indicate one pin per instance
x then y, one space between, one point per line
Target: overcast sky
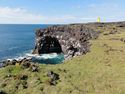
60 11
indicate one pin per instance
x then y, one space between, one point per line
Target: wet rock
8 62
54 77
13 62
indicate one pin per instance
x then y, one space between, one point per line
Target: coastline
69 54
77 26
101 69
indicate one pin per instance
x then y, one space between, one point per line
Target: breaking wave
52 58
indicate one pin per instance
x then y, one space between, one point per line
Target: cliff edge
72 40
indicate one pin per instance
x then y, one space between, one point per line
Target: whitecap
52 58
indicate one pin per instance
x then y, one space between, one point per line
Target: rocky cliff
102 70
72 40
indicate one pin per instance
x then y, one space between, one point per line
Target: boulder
34 68
54 77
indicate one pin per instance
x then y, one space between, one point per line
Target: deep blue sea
16 40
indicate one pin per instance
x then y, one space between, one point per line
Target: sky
60 11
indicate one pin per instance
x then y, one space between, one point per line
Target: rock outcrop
72 40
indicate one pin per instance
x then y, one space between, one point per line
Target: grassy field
100 71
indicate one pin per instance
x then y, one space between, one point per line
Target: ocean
16 39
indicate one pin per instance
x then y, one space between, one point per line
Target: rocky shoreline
30 77
24 63
71 40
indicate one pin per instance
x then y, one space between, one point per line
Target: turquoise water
17 40
52 58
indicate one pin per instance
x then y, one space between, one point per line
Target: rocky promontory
101 70
72 40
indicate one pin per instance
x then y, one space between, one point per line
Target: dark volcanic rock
54 77
8 62
25 63
72 40
34 68
47 44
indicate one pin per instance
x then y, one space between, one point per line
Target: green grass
100 71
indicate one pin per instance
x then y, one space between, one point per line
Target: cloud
18 15
10 15
23 16
70 19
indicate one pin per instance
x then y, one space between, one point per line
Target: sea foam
52 58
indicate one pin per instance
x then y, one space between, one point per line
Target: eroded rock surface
72 40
